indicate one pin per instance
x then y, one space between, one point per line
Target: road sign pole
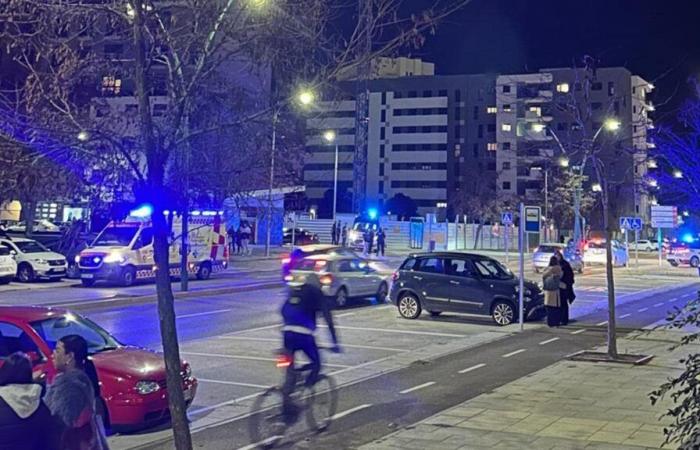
521 287
660 244
627 248
636 248
506 238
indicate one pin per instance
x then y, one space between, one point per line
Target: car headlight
114 258
40 261
147 387
77 259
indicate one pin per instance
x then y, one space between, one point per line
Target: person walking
246 233
334 233
566 291
344 235
231 234
71 397
365 239
381 241
25 421
551 281
370 242
239 244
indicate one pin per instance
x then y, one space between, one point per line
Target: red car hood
131 362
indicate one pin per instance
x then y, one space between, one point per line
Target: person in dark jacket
71 397
381 241
25 421
566 293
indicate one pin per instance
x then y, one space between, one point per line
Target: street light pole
335 180
272 180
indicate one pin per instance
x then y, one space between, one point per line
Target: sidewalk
569 405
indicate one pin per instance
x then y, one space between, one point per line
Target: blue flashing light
144 210
688 238
196 213
372 213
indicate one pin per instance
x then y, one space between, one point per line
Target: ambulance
123 252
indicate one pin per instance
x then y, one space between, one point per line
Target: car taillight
320 265
286 260
288 278
395 276
283 361
326 279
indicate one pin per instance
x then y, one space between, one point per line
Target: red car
132 380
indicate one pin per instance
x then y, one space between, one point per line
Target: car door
465 286
429 279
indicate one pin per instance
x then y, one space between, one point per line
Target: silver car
343 277
544 252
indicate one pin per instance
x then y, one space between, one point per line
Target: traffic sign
630 223
625 223
664 216
532 219
507 218
636 223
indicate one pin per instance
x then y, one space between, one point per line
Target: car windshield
116 236
53 329
30 247
548 249
309 265
492 269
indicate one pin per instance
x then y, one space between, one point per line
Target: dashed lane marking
233 383
469 369
508 355
600 324
549 340
251 358
183 316
656 305
582 330
625 315
347 412
346 314
322 344
263 443
415 388
385 330
643 309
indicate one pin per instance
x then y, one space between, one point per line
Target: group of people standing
339 234
368 238
239 240
558 284
65 417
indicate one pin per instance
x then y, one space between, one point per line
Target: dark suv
461 283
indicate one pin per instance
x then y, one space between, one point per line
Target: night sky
656 39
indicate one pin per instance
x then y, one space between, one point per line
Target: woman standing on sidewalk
551 279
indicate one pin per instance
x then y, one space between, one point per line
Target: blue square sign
532 219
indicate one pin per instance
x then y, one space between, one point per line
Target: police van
123 251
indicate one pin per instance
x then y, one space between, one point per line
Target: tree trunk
156 158
477 235
612 337
29 208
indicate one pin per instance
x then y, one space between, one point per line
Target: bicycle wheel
321 403
266 425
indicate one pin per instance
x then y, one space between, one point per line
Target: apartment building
536 126
425 135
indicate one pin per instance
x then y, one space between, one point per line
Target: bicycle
318 403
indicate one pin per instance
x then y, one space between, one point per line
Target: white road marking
322 344
673 299
625 315
385 330
549 340
226 403
469 369
656 305
251 358
346 314
261 444
203 313
233 383
508 355
686 295
600 324
347 412
578 331
415 388
250 330
643 309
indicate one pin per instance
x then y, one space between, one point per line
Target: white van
123 251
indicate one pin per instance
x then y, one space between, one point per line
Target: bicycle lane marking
347 412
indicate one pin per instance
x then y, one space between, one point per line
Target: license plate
87 275
189 395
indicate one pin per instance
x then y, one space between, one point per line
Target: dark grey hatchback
462 283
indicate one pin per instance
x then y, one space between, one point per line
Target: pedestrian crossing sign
507 218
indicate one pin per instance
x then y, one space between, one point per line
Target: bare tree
185 55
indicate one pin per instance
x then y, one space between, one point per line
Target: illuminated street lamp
564 161
330 137
596 187
612 124
677 174
83 136
306 97
686 213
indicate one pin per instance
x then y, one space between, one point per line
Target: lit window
506 127
563 88
491 110
111 86
507 108
537 110
492 146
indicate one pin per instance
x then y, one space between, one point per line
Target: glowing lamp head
372 213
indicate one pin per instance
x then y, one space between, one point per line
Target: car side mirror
13 253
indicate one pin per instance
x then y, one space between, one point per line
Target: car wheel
204 272
435 313
694 261
341 297
25 273
409 306
128 276
87 283
382 291
502 312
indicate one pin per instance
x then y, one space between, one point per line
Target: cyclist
299 313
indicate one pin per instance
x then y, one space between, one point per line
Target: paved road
377 406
